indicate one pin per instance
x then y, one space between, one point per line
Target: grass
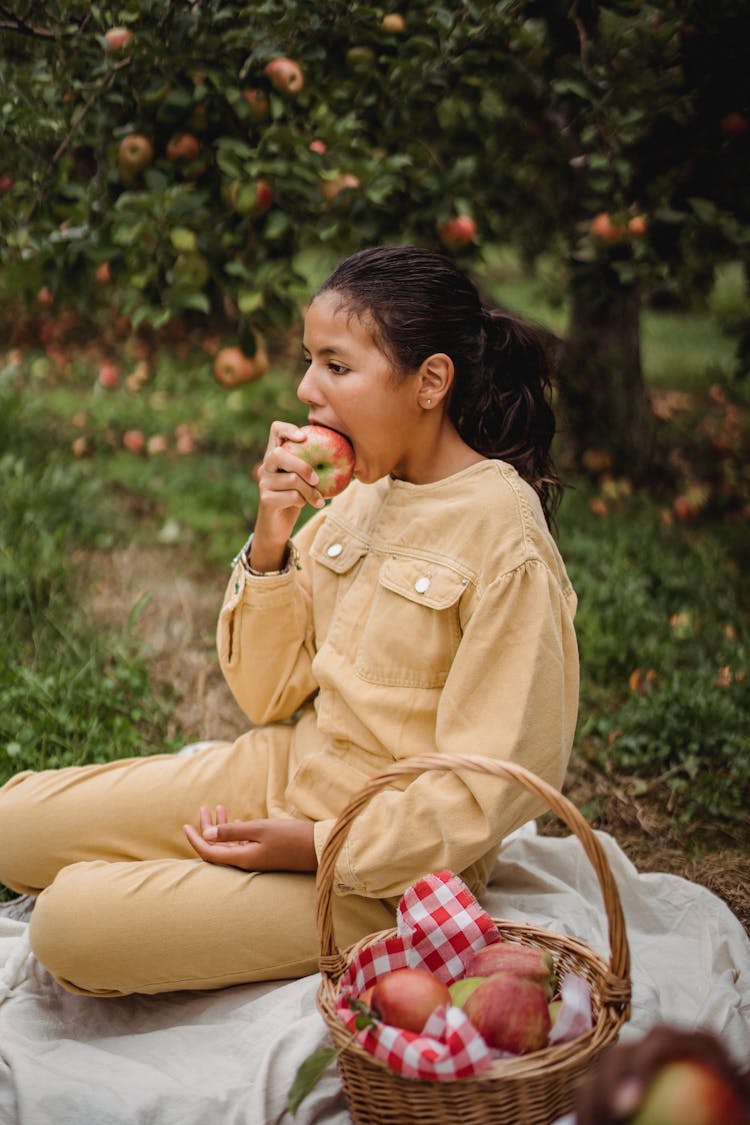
664 616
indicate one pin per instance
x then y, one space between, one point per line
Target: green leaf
249 300
308 1075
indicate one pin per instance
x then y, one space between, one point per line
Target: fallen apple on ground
510 1012
407 997
332 457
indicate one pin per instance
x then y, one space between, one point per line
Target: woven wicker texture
533 1089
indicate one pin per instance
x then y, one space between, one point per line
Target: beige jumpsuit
422 619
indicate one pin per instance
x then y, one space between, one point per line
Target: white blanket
230 1056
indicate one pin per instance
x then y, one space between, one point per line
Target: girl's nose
308 391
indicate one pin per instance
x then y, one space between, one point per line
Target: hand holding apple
330 454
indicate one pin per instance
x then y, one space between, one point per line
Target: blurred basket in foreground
533 1089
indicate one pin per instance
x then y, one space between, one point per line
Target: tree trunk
603 397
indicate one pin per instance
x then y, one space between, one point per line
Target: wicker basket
533 1089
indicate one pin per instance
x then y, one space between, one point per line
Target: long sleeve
265 638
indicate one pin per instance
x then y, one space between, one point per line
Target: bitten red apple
407 997
512 957
690 1092
332 457
510 1012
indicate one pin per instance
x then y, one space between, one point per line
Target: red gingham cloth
440 925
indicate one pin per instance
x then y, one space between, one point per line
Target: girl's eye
336 368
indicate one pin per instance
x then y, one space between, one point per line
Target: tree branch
12 22
86 107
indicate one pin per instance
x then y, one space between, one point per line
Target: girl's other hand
253 845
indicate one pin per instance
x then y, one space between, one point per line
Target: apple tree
171 159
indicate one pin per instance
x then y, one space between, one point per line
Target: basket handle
333 962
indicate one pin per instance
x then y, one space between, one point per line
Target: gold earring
429 401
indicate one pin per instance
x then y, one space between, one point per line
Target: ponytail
503 408
419 303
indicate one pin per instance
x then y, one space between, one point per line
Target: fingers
284 479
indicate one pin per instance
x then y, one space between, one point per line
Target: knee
63 929
16 824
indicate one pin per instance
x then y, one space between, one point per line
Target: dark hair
420 303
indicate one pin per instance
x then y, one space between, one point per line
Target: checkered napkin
440 926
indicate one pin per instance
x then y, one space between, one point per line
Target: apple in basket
407 997
330 454
513 957
510 1012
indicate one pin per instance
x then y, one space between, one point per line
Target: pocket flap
335 550
425 583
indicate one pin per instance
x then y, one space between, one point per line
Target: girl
426 609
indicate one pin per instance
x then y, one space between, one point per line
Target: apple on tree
342 181
605 229
183 146
332 457
252 198
232 367
457 232
257 104
117 37
134 154
285 76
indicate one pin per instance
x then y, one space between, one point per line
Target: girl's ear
435 380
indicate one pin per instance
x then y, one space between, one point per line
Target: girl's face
349 385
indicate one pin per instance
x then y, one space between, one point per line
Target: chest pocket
412 631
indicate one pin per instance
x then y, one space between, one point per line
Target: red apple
257 103
45 297
407 997
251 198
318 146
638 225
341 182
457 232
232 367
103 273
134 441
117 37
285 76
108 375
734 124
6 183
512 957
510 1012
332 457
603 228
690 1092
183 146
135 153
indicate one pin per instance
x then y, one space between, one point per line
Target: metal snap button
422 584
334 550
